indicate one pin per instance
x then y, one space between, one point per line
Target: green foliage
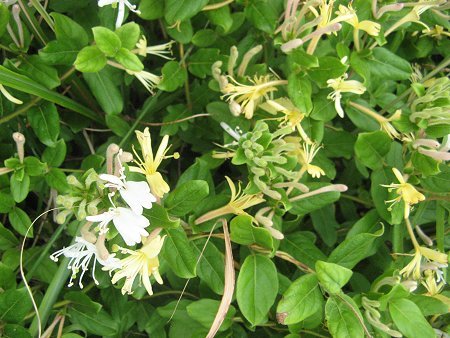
266 214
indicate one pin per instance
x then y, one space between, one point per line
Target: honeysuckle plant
258 168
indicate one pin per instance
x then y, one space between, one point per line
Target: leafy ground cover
238 168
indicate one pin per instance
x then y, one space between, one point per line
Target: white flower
340 85
131 226
122 4
149 80
159 50
136 194
80 254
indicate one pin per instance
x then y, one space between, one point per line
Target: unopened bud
291 45
20 141
111 151
234 54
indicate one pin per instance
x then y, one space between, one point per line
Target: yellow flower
433 260
148 164
292 115
340 85
405 191
148 80
370 27
239 201
246 98
143 262
438 32
326 10
306 156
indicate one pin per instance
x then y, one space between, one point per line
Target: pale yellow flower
405 192
149 163
326 11
239 201
148 80
438 32
143 263
370 27
423 259
340 85
306 156
246 98
292 115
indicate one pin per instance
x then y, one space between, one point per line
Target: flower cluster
126 201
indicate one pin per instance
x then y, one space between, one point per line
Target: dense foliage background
298 167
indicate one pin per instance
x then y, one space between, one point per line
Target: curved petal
112 179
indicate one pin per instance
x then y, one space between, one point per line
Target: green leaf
173 76
329 68
129 33
6 203
14 305
90 60
243 232
58 53
129 60
425 164
15 331
105 91
57 180
186 197
159 217
69 31
20 222
19 187
55 156
183 34
44 119
302 248
181 10
7 277
354 249
315 202
332 277
222 18
204 312
107 41
299 59
439 183
404 312
4 18
299 90
256 289
34 167
301 300
26 85
210 268
7 238
389 66
201 61
151 9
117 124
429 305
263 14
40 72
101 324
370 148
341 320
204 37
82 302
178 253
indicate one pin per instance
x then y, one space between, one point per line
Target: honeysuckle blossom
434 280
405 192
80 255
305 155
292 115
120 4
438 32
143 262
149 80
131 226
159 50
136 194
8 96
341 85
370 27
246 98
424 259
239 201
148 164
